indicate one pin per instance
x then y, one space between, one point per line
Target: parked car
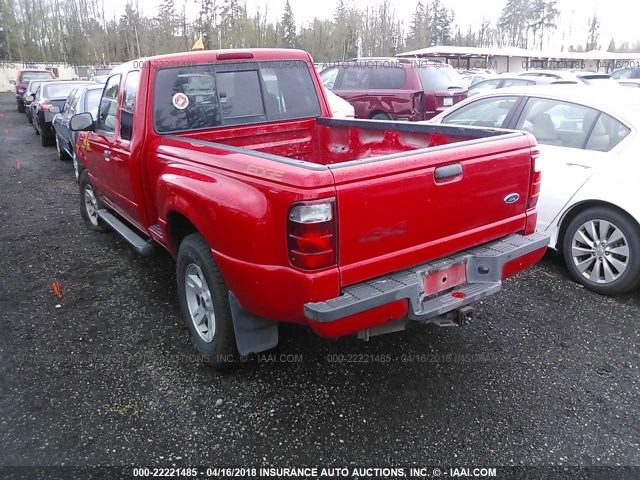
630 82
589 148
22 82
395 88
574 76
472 78
277 212
102 79
30 93
626 73
503 81
49 98
340 108
82 99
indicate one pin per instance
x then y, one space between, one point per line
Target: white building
512 59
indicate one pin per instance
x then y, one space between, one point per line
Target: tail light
45 107
536 177
311 234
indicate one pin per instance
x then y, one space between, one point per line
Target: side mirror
29 98
81 122
54 109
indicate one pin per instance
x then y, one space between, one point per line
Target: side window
109 106
554 122
606 134
328 77
482 86
128 103
387 78
513 82
352 78
487 112
70 104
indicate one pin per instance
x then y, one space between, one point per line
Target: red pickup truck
275 211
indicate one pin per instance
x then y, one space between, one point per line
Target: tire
46 139
62 154
21 108
608 264
381 116
29 119
78 168
89 204
204 295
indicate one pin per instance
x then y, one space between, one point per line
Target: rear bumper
485 269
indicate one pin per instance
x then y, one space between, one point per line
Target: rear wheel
381 116
601 249
204 301
77 166
46 137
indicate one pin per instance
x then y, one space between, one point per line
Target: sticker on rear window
180 101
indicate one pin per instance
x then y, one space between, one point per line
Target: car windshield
28 76
440 77
92 99
59 90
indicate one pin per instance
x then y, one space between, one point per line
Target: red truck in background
275 211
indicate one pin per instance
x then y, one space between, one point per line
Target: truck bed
328 141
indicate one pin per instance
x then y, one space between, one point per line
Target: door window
109 106
482 86
554 122
129 94
487 112
353 78
383 77
516 82
328 77
72 101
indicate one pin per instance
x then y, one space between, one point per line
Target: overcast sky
618 18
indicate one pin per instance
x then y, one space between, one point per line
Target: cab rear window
215 95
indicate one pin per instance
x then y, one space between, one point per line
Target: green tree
288 37
512 23
594 33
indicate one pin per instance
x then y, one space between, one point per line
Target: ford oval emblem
511 198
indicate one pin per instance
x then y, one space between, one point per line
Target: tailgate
405 209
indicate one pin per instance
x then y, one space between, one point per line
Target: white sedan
340 108
590 162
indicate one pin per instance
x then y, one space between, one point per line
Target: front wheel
62 154
21 108
601 249
89 204
204 302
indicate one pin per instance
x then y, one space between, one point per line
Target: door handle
448 171
107 154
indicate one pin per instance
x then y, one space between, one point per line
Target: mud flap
253 334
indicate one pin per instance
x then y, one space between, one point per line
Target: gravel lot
547 374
